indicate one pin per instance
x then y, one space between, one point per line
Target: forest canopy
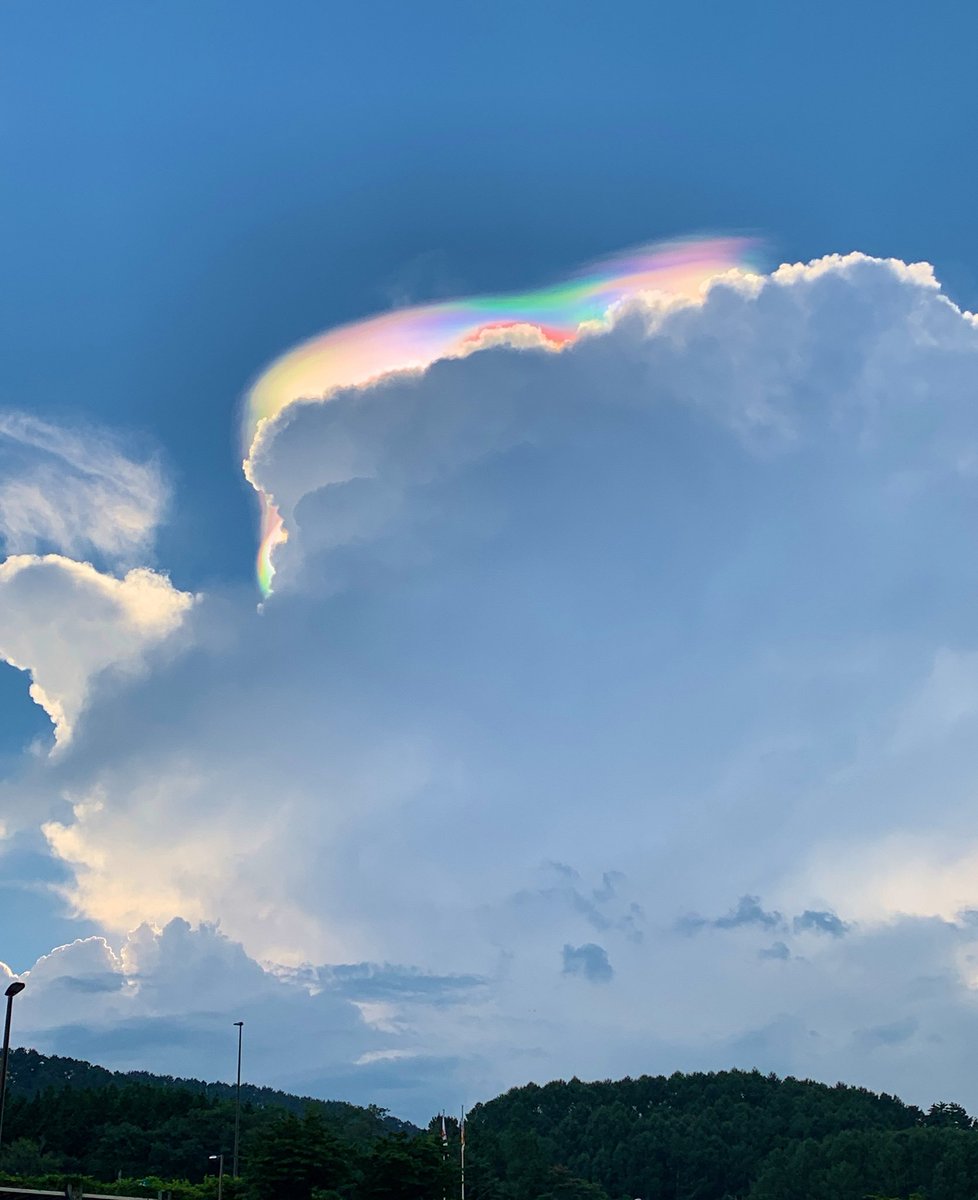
731 1135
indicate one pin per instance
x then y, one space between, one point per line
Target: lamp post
219 1159
237 1103
13 990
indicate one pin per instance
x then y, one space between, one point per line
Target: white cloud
525 576
75 493
665 603
915 874
165 999
888 1006
64 623
145 858
848 347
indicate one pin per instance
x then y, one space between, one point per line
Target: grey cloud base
687 608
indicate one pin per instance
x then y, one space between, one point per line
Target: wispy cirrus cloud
76 492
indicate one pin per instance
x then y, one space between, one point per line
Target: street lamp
13 990
237 1102
219 1159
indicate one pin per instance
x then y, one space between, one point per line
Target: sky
614 705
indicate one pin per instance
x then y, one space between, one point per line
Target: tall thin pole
461 1134
10 993
237 1103
444 1158
219 1159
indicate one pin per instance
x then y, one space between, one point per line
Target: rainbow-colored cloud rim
413 338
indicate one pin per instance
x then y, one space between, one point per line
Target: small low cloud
589 961
818 921
895 1033
748 911
605 906
367 982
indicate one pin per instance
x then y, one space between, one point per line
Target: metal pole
461 1130
237 1102
444 1158
219 1159
10 993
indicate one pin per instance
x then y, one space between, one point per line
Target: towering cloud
686 608
414 338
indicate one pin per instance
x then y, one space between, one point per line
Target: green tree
405 1168
562 1185
947 1115
25 1157
292 1157
121 1150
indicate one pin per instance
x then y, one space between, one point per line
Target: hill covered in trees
30 1073
720 1136
69 1118
732 1135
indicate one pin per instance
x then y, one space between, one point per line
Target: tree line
70 1121
30 1072
139 1140
733 1135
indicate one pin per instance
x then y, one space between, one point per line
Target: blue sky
512 656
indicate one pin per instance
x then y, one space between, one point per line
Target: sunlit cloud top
413 338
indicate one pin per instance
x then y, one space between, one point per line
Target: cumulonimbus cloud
685 496
411 339
665 604
846 345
